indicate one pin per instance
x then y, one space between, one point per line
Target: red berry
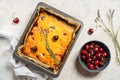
90 31
89 60
87 47
16 20
83 52
83 57
96 62
105 54
91 66
98 55
88 55
96 67
101 50
96 49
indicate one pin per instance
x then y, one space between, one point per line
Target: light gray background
85 10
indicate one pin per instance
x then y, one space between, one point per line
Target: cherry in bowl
94 56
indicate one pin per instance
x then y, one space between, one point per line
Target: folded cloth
21 71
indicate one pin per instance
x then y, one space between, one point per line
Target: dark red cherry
96 62
55 38
83 52
98 55
101 50
90 31
96 49
105 54
89 60
16 20
87 47
91 66
83 57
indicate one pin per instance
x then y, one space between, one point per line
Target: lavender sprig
110 31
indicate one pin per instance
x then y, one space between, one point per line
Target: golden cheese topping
59 34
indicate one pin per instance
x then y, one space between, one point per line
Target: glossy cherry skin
83 57
87 47
96 49
91 66
89 60
83 52
90 31
16 20
105 54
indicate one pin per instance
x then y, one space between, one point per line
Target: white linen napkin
21 71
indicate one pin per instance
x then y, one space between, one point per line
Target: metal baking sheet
21 41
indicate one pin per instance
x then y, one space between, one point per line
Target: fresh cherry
101 50
87 47
83 52
16 20
96 49
105 54
91 66
83 57
90 31
96 67
88 55
89 60
96 62
98 55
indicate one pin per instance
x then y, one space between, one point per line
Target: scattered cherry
90 31
16 20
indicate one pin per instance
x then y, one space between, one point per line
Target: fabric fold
21 71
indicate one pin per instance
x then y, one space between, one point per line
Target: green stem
117 32
117 56
51 52
117 43
107 29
